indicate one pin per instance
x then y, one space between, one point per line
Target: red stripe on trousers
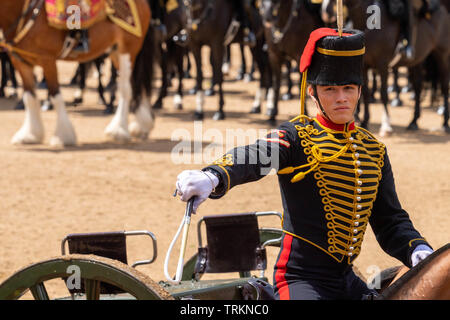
280 280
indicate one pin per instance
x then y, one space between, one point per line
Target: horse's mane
398 285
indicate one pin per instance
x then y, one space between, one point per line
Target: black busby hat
338 60
332 58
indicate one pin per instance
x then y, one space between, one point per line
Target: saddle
82 14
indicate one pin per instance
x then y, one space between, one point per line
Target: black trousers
303 272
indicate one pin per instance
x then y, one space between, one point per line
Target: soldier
335 179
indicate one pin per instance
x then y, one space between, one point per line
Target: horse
172 54
287 25
432 38
8 73
42 45
80 79
207 24
429 279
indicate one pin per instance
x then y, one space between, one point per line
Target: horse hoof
178 106
256 109
108 110
137 132
20 106
192 91
198 115
272 121
209 92
413 127
77 101
396 103
286 96
57 142
117 134
271 112
219 115
47 106
157 105
240 76
248 78
26 138
446 129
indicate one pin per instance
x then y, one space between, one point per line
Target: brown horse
429 280
42 46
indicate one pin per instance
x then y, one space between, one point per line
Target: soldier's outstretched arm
239 165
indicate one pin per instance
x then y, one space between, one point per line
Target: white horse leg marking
259 97
386 127
141 127
32 130
117 129
200 100
64 132
270 99
178 101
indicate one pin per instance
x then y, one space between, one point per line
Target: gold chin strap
318 158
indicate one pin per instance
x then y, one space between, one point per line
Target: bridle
277 34
17 30
193 24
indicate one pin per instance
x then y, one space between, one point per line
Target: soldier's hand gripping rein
196 183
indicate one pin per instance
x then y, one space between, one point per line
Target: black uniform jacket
334 181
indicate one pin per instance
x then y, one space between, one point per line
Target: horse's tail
142 76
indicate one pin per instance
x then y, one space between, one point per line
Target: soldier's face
339 102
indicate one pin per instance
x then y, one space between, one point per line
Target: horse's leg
200 99
117 129
226 61
78 95
397 102
443 67
288 94
273 93
101 90
32 130
416 75
386 127
211 90
366 100
164 80
260 57
4 74
178 97
243 67
64 134
217 51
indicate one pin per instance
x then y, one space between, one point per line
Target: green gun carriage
235 243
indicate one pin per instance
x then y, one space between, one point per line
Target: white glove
420 253
196 183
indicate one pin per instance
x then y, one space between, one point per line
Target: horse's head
269 10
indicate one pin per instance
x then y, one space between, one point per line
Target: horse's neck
429 281
285 11
9 13
356 11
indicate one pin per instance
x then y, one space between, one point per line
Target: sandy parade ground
98 186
